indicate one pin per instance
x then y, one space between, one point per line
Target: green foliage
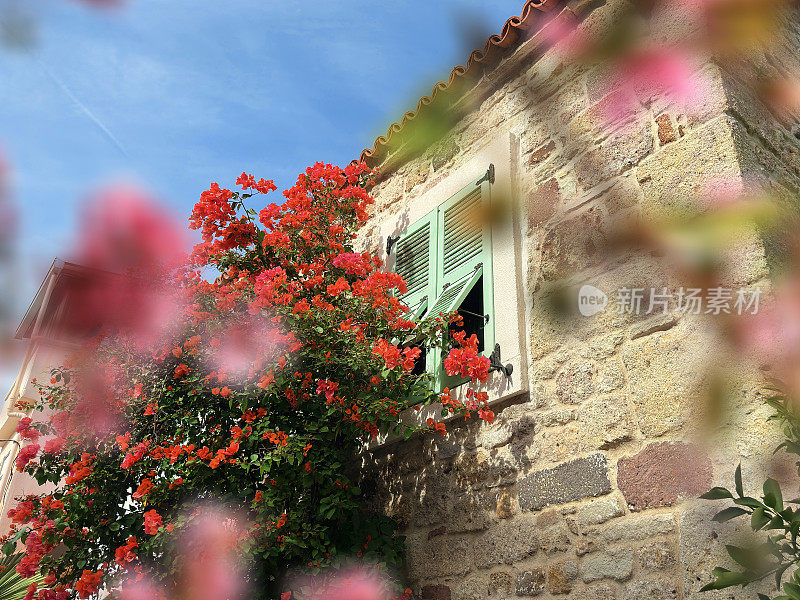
768 513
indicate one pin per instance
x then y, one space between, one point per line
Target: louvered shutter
464 256
415 261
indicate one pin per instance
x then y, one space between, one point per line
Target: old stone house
586 484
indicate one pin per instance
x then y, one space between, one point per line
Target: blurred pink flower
646 73
210 564
134 245
142 589
124 228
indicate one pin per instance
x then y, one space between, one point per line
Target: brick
614 564
662 473
435 592
666 132
575 479
530 583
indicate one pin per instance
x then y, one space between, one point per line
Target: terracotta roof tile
516 30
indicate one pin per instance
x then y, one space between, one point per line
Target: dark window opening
472 313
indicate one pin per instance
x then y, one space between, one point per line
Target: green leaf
747 501
737 477
717 493
747 558
759 519
729 513
772 495
792 589
723 579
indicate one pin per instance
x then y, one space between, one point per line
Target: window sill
499 387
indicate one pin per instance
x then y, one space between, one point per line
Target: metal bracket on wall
391 240
495 363
488 176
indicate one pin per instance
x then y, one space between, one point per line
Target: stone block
624 148
436 592
510 541
658 589
554 538
530 582
656 556
672 177
542 202
605 422
662 473
560 577
501 584
600 591
468 514
561 416
666 131
595 513
505 507
665 375
702 547
473 587
575 244
576 382
614 564
433 558
494 437
541 154
584 477
433 493
639 528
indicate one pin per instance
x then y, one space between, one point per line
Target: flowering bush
287 352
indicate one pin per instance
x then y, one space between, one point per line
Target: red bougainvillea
221 455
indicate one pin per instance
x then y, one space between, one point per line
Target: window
446 260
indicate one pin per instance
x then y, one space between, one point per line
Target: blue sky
185 92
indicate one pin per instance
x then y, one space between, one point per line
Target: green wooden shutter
464 258
415 261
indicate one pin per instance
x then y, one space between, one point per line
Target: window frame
475 269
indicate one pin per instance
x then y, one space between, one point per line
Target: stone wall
586 487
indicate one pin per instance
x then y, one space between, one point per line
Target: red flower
124 554
181 371
55 445
89 583
26 455
152 521
389 352
143 489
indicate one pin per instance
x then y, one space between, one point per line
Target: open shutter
415 261
464 258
